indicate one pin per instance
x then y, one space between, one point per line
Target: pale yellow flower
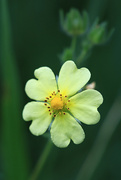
59 103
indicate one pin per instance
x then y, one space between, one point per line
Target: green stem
96 153
73 44
81 57
86 47
41 161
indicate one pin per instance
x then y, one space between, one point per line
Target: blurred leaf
14 154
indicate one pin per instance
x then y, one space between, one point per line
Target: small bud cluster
75 24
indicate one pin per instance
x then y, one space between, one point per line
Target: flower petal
84 106
33 110
64 128
44 86
72 79
40 126
37 112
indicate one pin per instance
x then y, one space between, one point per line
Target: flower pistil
57 103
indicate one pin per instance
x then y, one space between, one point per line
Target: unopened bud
74 23
91 85
98 33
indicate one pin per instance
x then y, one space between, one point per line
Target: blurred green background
31 37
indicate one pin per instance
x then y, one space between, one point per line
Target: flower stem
97 151
86 47
41 161
73 45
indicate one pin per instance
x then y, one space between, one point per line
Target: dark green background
37 40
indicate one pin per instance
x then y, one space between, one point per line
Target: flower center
57 103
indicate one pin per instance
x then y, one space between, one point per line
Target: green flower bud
74 24
98 33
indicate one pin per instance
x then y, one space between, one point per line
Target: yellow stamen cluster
57 103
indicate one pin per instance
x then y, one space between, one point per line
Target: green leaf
13 145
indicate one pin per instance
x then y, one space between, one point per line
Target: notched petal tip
32 111
34 128
84 106
83 69
26 112
71 79
64 129
43 72
95 96
32 89
41 88
63 144
87 73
